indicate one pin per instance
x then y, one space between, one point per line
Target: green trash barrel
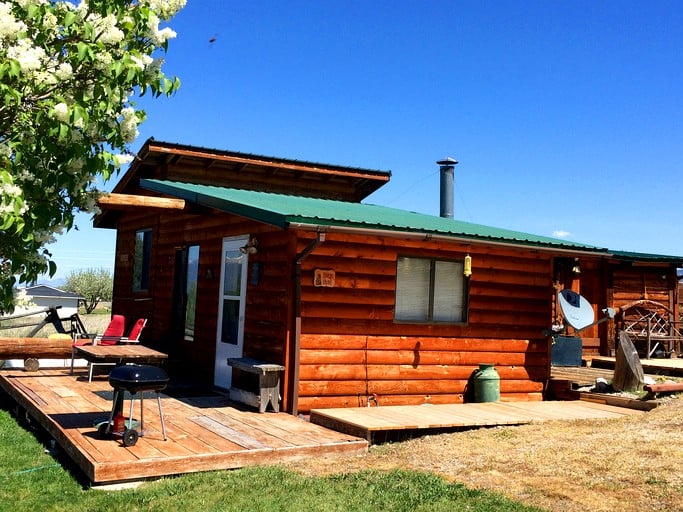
486 384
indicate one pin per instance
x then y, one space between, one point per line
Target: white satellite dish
576 310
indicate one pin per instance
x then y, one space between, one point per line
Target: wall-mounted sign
323 277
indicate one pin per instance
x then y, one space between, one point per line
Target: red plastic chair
115 329
133 337
115 339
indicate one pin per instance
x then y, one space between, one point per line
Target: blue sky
566 117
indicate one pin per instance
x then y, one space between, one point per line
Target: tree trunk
24 348
628 370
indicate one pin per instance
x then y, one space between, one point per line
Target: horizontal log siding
634 283
352 348
510 291
268 309
343 371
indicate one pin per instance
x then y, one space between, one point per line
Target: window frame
431 299
141 283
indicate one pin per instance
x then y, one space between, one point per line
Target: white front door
230 335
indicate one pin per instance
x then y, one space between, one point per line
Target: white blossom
44 237
25 4
129 124
110 33
61 112
31 58
102 41
142 62
5 150
50 22
121 160
64 71
166 8
75 165
10 27
10 190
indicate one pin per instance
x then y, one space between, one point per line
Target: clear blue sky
566 117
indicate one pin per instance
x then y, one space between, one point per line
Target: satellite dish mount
578 312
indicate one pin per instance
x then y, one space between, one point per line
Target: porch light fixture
250 247
576 268
467 267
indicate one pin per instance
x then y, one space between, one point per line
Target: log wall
353 350
347 371
652 283
509 297
635 283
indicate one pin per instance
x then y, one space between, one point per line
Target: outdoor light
250 247
576 268
467 270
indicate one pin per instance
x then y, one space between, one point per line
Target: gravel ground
634 463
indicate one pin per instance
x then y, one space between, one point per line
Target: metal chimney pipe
447 169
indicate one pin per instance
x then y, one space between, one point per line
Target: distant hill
55 283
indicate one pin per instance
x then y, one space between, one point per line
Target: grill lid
136 377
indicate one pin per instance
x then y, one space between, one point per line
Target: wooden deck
204 433
672 367
376 422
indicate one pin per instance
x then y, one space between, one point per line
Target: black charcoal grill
133 378
136 377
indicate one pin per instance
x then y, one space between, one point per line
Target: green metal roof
646 257
296 211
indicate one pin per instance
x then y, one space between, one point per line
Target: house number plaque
323 277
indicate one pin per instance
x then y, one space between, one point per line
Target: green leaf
33 11
19 226
14 68
84 51
7 221
80 113
64 131
69 18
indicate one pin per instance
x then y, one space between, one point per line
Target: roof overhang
267 212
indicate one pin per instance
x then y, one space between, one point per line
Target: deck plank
363 421
67 406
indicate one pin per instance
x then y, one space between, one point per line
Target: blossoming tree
69 75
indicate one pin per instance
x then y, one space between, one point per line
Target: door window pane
232 273
231 317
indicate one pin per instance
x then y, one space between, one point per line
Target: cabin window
430 290
142 259
185 283
191 291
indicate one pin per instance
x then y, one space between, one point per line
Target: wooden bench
269 383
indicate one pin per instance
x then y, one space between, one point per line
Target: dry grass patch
634 463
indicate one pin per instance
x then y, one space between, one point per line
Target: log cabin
234 255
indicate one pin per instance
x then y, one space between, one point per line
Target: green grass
31 479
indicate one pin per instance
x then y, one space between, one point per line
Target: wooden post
24 348
628 370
